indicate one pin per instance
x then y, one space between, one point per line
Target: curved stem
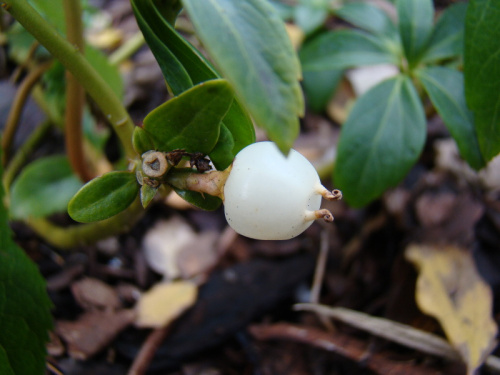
75 63
86 234
17 108
75 96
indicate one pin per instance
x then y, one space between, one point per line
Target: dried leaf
165 302
450 289
94 294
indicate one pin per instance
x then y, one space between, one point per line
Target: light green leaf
309 18
104 197
445 88
345 49
147 194
448 36
221 155
44 187
482 76
415 27
142 141
380 141
249 44
190 121
368 17
24 307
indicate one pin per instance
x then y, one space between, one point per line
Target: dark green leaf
44 187
319 87
203 201
104 197
482 76
380 141
368 17
448 36
445 88
415 27
190 121
147 194
142 141
183 66
248 42
24 307
222 155
345 49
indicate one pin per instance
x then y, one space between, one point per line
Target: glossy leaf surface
104 197
249 44
44 187
190 121
482 75
380 141
445 88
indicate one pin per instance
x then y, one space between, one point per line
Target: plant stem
86 234
17 108
75 96
75 63
22 154
127 49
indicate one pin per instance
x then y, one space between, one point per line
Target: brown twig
17 107
148 350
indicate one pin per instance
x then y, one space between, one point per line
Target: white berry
268 196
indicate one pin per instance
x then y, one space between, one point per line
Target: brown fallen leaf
93 331
165 302
92 294
450 289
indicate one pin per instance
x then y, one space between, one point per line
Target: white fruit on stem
268 196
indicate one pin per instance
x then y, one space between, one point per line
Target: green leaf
248 42
142 141
309 18
448 35
415 27
368 17
44 187
445 88
204 201
380 141
319 87
222 155
183 66
345 49
190 121
24 306
147 194
104 197
109 72
481 62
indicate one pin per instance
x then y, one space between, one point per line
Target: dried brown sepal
324 214
333 195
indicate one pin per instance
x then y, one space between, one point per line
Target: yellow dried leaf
164 302
450 289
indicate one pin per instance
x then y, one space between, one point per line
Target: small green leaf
183 66
319 87
368 17
448 36
249 44
222 155
481 62
142 141
190 121
445 88
24 306
44 187
380 141
415 27
147 194
104 197
203 201
345 49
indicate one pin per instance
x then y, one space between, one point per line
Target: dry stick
75 95
148 350
320 267
17 107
